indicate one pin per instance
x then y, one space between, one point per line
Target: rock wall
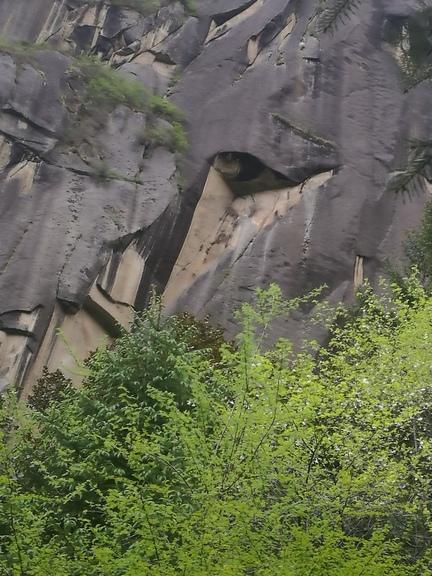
294 135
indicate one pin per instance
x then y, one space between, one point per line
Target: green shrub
172 137
164 108
103 89
106 88
418 246
22 51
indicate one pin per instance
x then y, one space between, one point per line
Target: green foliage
331 13
413 38
418 169
101 90
415 48
164 108
105 88
183 455
413 43
418 246
172 137
20 50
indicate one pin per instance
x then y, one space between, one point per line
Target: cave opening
246 174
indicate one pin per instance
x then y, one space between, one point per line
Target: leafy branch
418 169
331 13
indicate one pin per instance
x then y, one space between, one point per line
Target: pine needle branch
418 169
334 12
416 47
414 73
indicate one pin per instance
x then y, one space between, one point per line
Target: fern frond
413 76
418 169
334 12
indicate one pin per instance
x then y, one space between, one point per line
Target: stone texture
293 138
305 106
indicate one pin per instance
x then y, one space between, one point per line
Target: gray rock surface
293 136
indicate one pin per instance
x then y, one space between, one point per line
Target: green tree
184 455
418 246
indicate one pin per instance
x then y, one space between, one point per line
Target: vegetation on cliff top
105 88
184 455
98 90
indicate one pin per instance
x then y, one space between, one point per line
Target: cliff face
293 138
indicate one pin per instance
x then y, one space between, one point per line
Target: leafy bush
172 137
106 88
173 459
102 90
20 50
164 108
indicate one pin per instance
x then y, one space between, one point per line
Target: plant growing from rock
418 247
171 136
104 88
100 89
